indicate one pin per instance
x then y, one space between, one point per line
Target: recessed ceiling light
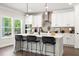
70 3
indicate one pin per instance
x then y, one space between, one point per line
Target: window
7 24
17 26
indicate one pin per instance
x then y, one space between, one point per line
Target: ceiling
37 7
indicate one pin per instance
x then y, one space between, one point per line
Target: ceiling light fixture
70 3
46 7
27 10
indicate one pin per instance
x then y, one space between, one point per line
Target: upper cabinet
29 19
64 19
37 20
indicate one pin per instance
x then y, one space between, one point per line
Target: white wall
77 18
4 11
76 7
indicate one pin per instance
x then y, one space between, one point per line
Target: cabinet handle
77 33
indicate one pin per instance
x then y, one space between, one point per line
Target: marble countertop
44 34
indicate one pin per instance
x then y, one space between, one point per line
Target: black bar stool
48 40
31 39
20 39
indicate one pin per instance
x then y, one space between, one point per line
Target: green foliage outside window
17 26
7 24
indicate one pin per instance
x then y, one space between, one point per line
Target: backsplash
63 29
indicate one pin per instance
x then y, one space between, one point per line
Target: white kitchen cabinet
64 19
69 39
69 19
53 21
37 20
76 40
56 20
29 19
76 9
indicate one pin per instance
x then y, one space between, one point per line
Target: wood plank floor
69 51
8 51
26 53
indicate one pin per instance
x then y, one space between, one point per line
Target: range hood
46 21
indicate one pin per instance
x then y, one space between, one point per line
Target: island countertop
44 34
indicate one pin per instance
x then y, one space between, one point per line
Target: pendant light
46 7
27 10
46 12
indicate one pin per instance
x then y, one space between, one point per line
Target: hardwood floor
8 51
26 53
70 51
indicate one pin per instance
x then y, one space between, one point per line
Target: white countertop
44 34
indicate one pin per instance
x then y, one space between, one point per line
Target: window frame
9 26
17 27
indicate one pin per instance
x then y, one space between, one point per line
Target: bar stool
31 39
48 40
20 39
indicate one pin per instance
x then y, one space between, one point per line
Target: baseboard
6 46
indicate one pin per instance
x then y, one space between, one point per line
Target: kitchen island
58 46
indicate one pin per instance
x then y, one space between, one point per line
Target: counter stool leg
27 47
40 48
22 48
45 49
36 49
54 50
31 48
